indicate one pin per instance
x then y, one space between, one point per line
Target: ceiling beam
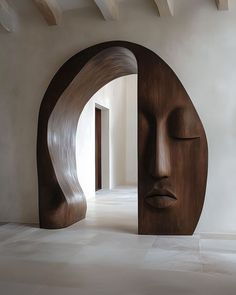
165 7
7 16
50 11
108 8
222 4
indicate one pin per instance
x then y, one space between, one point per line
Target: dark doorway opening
98 148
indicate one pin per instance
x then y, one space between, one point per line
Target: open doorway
98 149
57 127
102 145
109 156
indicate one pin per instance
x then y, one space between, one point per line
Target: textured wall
199 44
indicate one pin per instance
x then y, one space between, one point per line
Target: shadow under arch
61 199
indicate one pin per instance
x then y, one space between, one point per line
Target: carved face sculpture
172 157
172 147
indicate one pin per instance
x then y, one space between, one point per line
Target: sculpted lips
160 198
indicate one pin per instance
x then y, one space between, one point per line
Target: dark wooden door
98 150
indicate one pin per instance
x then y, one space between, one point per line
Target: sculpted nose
161 167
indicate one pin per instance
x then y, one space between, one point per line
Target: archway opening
61 198
170 196
114 109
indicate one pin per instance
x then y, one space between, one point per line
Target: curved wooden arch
61 199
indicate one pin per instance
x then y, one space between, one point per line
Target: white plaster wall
199 43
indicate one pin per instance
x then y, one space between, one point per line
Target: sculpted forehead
163 94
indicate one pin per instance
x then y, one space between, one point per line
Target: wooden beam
7 16
50 11
165 7
222 4
108 8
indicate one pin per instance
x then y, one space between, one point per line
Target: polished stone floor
104 255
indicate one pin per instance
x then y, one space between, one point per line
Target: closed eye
184 124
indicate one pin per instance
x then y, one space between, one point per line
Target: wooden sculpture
172 146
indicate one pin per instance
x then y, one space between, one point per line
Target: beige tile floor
104 255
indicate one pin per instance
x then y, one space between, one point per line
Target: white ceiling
27 6
26 9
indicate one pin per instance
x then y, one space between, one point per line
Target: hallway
104 255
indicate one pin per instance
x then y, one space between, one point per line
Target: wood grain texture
165 7
172 146
50 11
109 9
61 199
172 154
222 4
7 16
